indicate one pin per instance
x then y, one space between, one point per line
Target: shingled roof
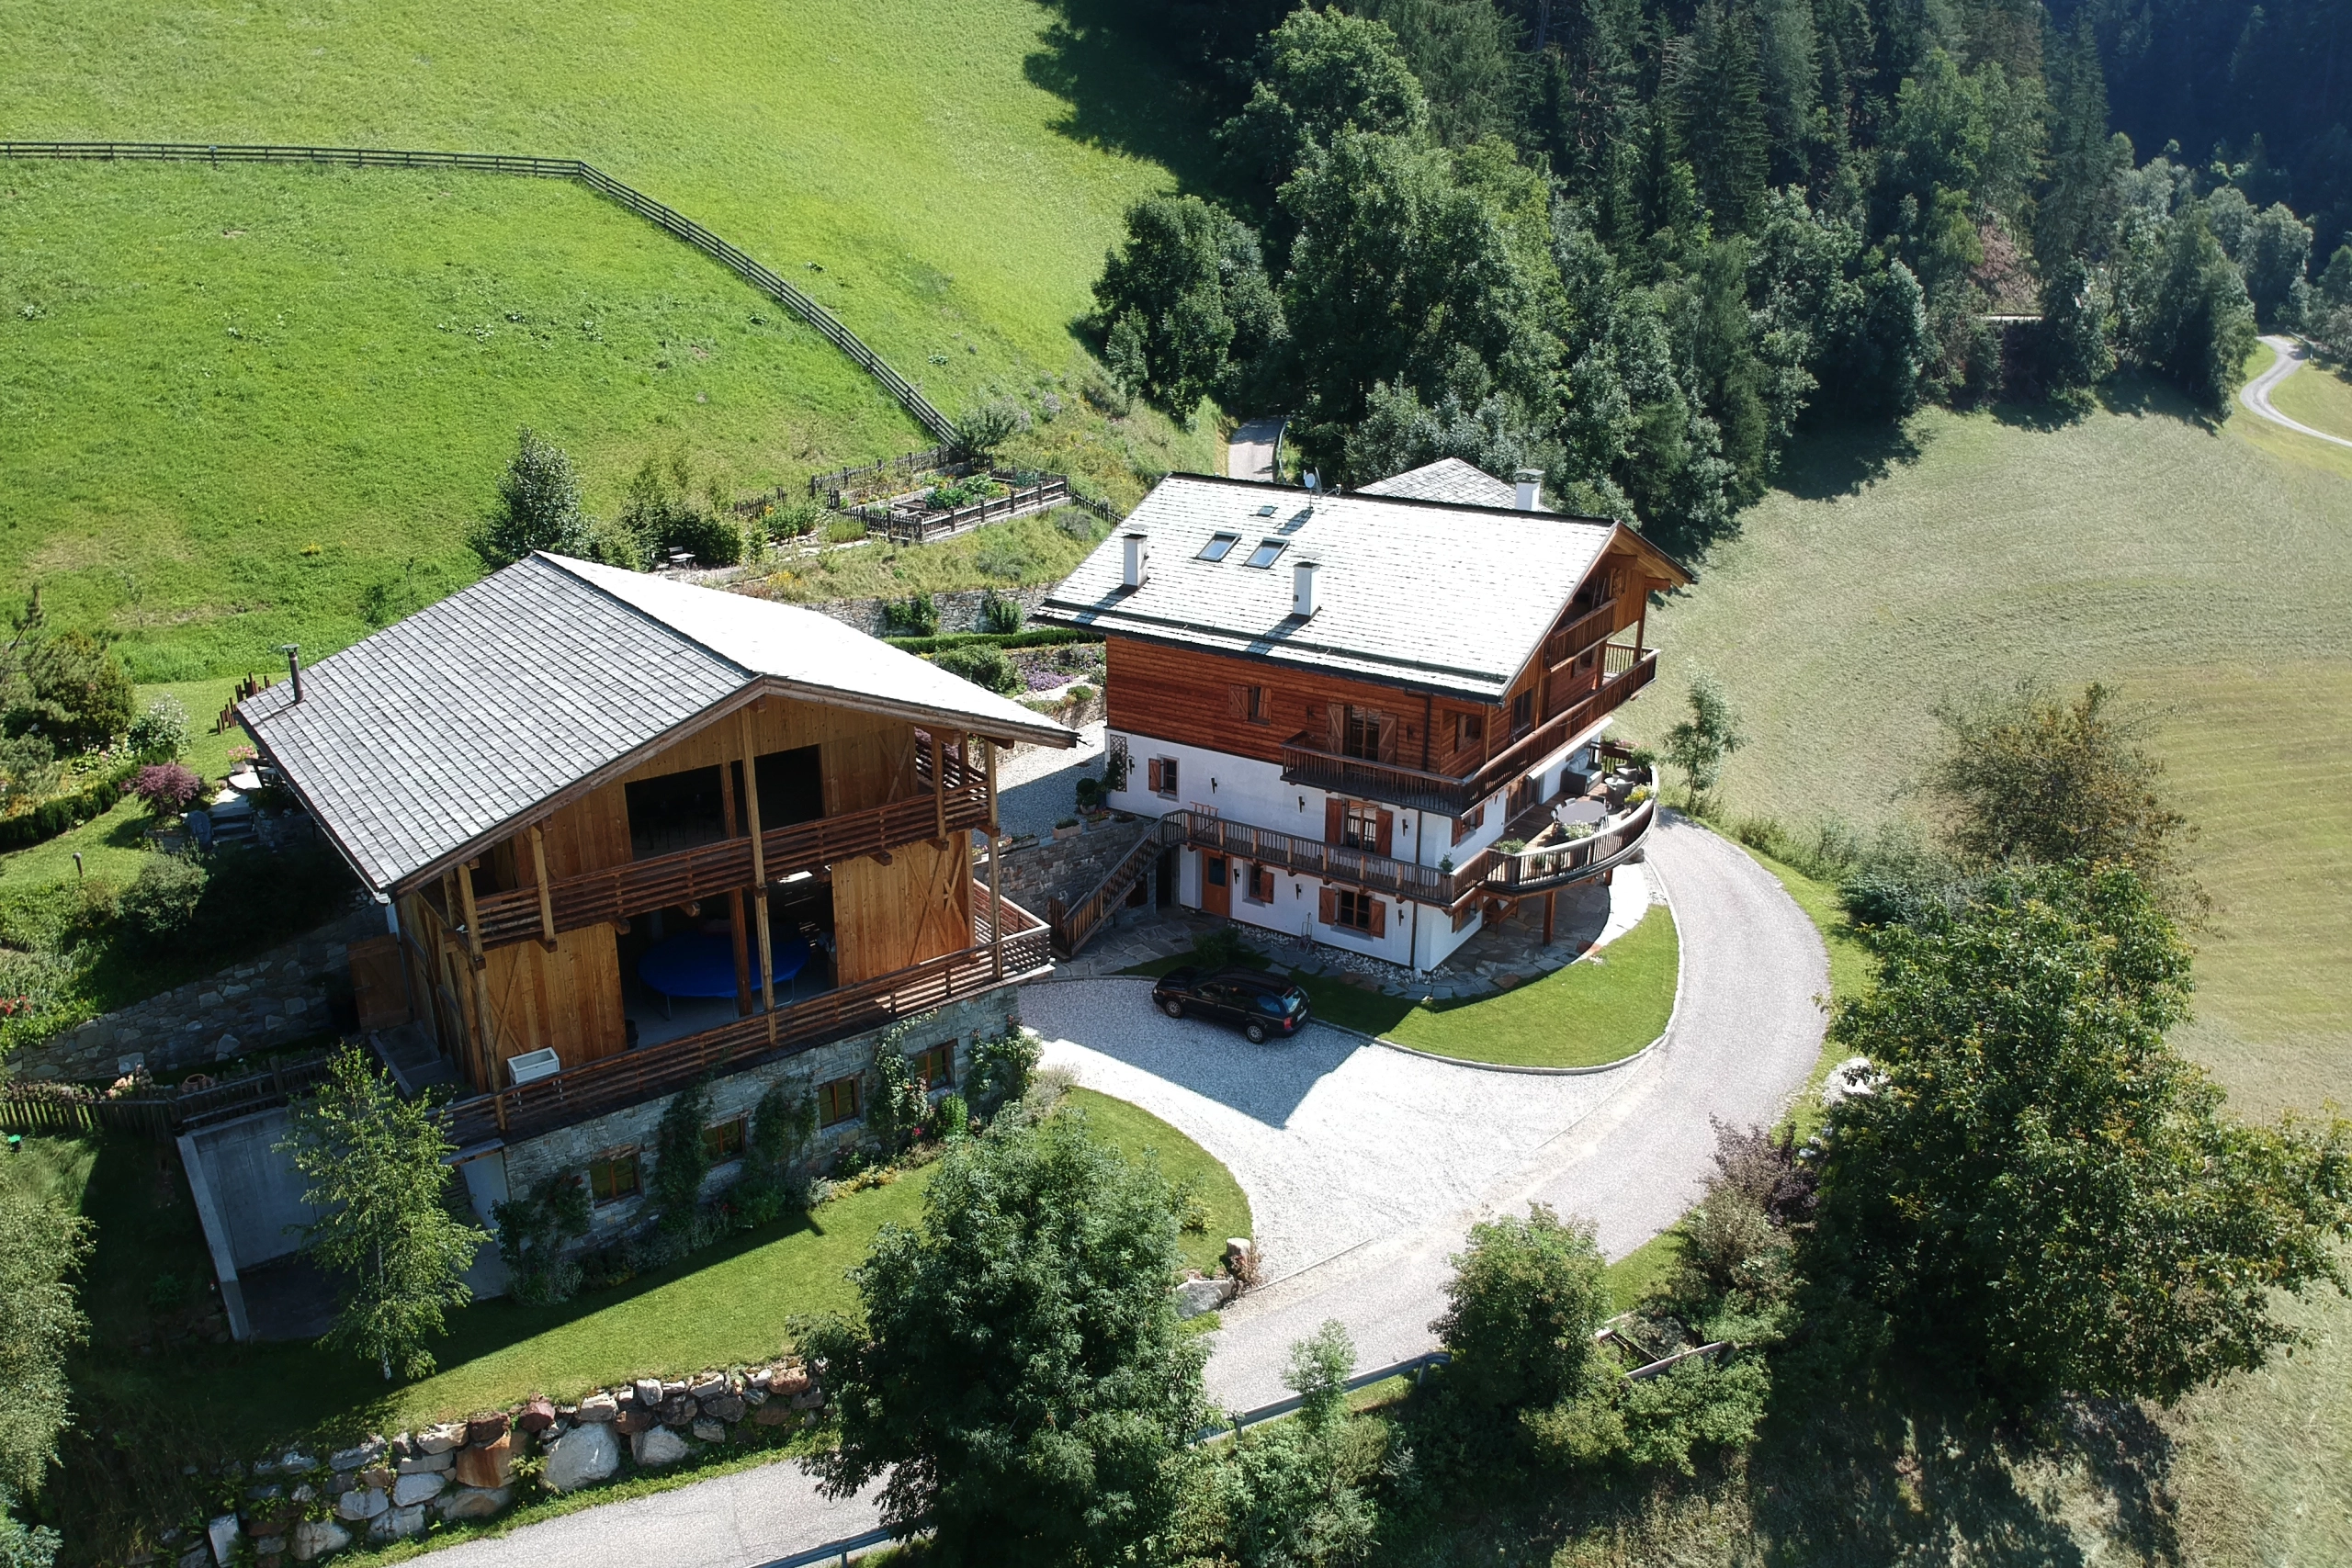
1448 479
433 737
1439 597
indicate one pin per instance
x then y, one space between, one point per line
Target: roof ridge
565 563
1385 499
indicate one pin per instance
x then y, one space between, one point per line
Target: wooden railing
1594 625
663 881
914 528
1312 857
1626 671
1498 874
632 1077
1074 925
155 1113
824 322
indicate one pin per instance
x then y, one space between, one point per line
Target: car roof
1260 978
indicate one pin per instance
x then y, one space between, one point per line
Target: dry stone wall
280 995
297 1508
958 612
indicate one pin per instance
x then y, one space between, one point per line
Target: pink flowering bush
166 788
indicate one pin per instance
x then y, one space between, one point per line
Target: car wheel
1254 1032
1172 1008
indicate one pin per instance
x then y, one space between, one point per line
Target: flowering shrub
166 788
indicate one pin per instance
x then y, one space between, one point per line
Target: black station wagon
1262 1005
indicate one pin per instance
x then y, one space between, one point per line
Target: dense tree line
1639 245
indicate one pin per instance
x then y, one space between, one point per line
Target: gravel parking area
1337 1141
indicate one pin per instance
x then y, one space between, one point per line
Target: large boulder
722 1405
1194 1297
648 1391
709 1431
476 1502
680 1411
421 1464
657 1446
361 1504
789 1382
485 1428
775 1413
318 1537
422 1488
486 1465
595 1407
441 1438
582 1457
399 1524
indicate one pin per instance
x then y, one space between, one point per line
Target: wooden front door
1216 884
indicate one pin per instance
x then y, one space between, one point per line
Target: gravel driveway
1364 1168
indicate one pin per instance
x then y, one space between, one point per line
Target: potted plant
1066 828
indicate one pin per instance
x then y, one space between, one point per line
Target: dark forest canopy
1638 244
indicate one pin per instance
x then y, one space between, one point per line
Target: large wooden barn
629 832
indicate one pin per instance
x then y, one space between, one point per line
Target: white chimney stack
1135 557
1531 487
1301 588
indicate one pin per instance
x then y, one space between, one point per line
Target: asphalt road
2255 394
1628 1154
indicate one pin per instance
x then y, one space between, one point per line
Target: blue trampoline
700 964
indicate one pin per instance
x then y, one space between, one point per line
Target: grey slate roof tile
1448 479
464 716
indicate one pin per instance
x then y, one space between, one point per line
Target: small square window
1261 883
1469 729
837 1102
1261 710
1355 911
1219 545
613 1177
1162 776
724 1142
936 1067
1263 556
1522 712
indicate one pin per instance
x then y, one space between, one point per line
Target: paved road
2255 394
1626 1149
1251 454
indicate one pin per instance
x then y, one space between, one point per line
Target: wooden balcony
612 1083
661 881
1624 671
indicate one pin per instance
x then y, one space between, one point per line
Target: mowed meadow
253 405
2204 570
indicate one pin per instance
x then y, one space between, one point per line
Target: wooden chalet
1343 706
629 831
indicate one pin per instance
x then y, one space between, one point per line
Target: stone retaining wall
293 1505
958 612
280 995
1067 868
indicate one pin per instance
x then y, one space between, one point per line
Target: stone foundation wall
571 1148
280 995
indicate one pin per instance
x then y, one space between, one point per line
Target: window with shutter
1522 712
1469 730
1261 883
1152 771
1335 720
1335 820
1163 776
1384 744
1236 702
1465 826
1385 839
1379 921
1261 710
1353 909
1329 908
1361 829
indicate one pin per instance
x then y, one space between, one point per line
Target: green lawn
1596 1010
2317 395
245 402
2208 572
1224 1207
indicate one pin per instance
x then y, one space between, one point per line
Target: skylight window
1218 547
1263 556
1267 510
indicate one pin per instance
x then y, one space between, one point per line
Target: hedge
1040 637
59 812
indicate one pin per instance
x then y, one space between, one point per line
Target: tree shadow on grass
1845 459
1124 93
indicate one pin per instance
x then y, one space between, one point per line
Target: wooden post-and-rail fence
760 277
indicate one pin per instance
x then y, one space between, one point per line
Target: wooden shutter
1387 737
1330 905
1387 828
1152 772
1379 915
1335 820
1236 702
1336 721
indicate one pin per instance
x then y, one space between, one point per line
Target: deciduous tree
1019 1375
537 506
376 1164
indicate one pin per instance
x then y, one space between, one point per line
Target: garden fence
760 277
74 1109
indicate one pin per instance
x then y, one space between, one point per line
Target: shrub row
58 813
1040 637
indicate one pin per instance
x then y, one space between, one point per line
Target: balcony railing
663 881
1492 873
1595 625
632 1077
1626 671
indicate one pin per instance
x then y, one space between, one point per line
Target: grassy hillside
2317 395
260 405
955 167
2208 572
